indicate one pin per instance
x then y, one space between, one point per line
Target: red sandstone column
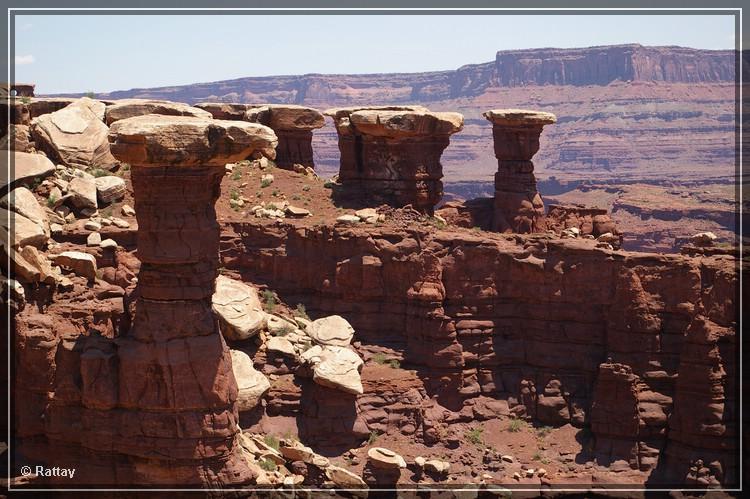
518 205
176 387
392 154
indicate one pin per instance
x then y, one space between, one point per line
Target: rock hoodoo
173 368
292 124
392 154
518 206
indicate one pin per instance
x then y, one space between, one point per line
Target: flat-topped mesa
175 371
391 154
518 205
292 124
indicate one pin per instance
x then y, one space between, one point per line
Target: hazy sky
79 53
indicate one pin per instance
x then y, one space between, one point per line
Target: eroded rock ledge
533 321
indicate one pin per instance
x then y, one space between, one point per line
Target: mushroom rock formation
292 124
392 154
518 205
173 371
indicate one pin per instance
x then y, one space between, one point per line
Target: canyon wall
552 327
581 66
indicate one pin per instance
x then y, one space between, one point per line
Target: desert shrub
265 183
267 464
515 425
373 437
301 311
474 436
269 300
271 441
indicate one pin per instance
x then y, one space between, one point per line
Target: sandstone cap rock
293 117
156 140
406 123
129 108
344 112
225 110
519 117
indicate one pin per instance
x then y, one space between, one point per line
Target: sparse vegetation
99 172
515 425
543 431
275 193
382 359
287 329
474 436
90 95
106 212
267 464
373 437
269 300
265 183
234 194
124 168
51 200
436 222
271 441
236 173
328 184
306 188
301 311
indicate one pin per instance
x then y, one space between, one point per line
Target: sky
82 53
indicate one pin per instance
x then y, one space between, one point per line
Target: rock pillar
174 371
518 205
392 154
292 124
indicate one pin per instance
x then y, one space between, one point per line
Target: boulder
74 135
110 188
338 368
348 220
40 262
129 108
94 239
23 202
703 239
26 168
383 458
251 384
332 330
82 264
25 232
238 308
344 478
280 345
18 138
82 191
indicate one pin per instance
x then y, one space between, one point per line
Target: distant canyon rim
647 132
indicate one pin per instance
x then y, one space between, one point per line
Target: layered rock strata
292 124
174 368
143 392
638 347
518 205
392 154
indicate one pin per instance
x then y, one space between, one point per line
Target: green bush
474 436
